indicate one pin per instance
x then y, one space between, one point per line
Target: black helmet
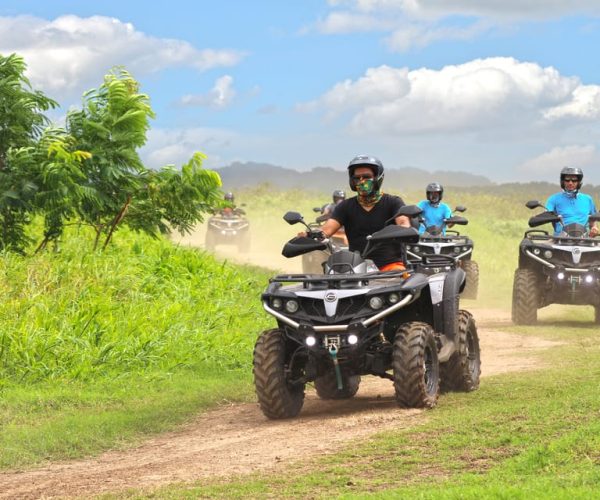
434 187
228 197
338 195
571 171
366 161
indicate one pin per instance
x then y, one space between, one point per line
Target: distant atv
434 242
353 320
312 262
228 227
563 269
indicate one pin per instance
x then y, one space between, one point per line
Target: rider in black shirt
368 212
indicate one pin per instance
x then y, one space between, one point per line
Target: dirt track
238 439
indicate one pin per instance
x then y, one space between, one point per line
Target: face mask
365 187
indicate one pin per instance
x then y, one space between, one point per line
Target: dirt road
238 439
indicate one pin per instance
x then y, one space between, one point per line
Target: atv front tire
471 269
415 366
461 372
326 386
278 398
525 298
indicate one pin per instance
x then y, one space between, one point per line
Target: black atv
434 242
228 227
353 320
563 269
312 262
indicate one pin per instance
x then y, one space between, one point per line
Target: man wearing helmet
368 212
337 196
231 209
573 206
434 211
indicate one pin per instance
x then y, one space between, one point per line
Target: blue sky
492 87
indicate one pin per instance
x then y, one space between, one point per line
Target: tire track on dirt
238 439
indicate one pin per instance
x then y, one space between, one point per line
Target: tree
21 124
111 126
172 199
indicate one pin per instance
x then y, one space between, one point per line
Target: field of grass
98 350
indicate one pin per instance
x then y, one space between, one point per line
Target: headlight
310 341
393 298
291 306
352 339
408 248
415 249
465 249
375 302
276 303
548 254
456 249
536 251
561 276
589 278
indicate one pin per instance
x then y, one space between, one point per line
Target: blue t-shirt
434 216
574 209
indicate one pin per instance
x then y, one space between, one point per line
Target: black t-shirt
359 223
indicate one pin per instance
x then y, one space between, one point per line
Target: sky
502 88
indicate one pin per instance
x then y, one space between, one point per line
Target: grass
98 349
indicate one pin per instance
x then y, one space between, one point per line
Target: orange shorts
393 266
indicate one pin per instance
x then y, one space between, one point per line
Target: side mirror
317 209
409 211
531 204
595 217
460 208
293 217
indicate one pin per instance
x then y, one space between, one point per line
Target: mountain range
241 175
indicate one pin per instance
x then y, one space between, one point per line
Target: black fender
453 284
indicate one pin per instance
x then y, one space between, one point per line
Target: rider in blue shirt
434 211
573 206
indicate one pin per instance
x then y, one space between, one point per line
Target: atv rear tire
525 298
461 372
276 396
326 386
471 269
415 365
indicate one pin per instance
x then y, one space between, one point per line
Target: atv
562 269
352 320
438 240
228 227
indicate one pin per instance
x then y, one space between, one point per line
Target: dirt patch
238 439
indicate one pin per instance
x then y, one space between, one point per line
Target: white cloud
418 23
481 95
550 162
220 96
176 146
70 54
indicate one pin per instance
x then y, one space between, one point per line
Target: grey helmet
366 161
228 197
434 187
338 195
571 171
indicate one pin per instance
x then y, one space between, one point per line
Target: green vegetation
89 174
96 348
